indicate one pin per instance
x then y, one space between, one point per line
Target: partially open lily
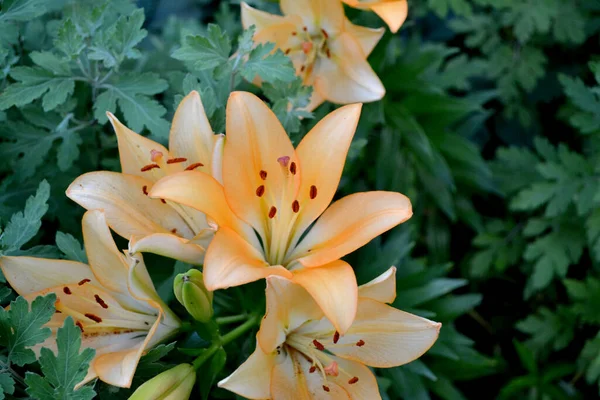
280 191
393 12
112 301
328 51
300 352
153 225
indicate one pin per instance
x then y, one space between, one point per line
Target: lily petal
252 379
260 19
394 13
168 245
316 14
333 287
28 275
382 288
288 306
364 386
367 37
322 153
201 192
135 152
389 337
232 261
128 210
347 77
350 223
191 135
255 142
217 158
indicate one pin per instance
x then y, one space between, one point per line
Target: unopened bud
192 294
173 384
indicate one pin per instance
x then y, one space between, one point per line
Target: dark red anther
194 166
174 231
94 318
260 190
288 51
295 206
163 201
293 168
313 192
294 33
302 68
84 281
78 323
328 53
100 301
353 380
272 212
312 369
149 167
360 343
67 290
176 160
325 33
336 337
263 174
145 190
326 388
304 29
318 345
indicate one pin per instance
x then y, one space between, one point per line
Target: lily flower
112 300
155 225
393 12
327 50
299 351
276 191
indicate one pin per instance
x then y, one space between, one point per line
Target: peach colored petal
382 288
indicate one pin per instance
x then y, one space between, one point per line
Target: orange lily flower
276 191
299 351
328 51
393 12
153 225
112 300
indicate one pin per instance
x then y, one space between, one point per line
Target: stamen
263 174
313 192
332 369
176 160
318 345
155 155
174 231
353 380
149 167
94 318
302 68
307 47
325 33
295 206
284 161
312 369
145 190
100 301
328 53
67 290
288 51
260 190
194 166
336 337
304 29
163 201
57 312
293 168
360 343
84 281
326 388
78 323
272 212
294 33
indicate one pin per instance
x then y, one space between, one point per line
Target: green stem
224 340
231 319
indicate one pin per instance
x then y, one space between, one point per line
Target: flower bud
174 384
192 294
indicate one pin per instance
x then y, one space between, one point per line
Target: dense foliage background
491 125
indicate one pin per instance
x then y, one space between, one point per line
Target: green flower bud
192 294
174 384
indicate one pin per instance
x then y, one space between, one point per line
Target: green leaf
205 52
269 66
586 117
22 10
526 356
21 327
64 370
23 226
7 384
548 329
26 147
586 298
69 40
131 92
71 247
207 379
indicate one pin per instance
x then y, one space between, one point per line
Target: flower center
309 47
